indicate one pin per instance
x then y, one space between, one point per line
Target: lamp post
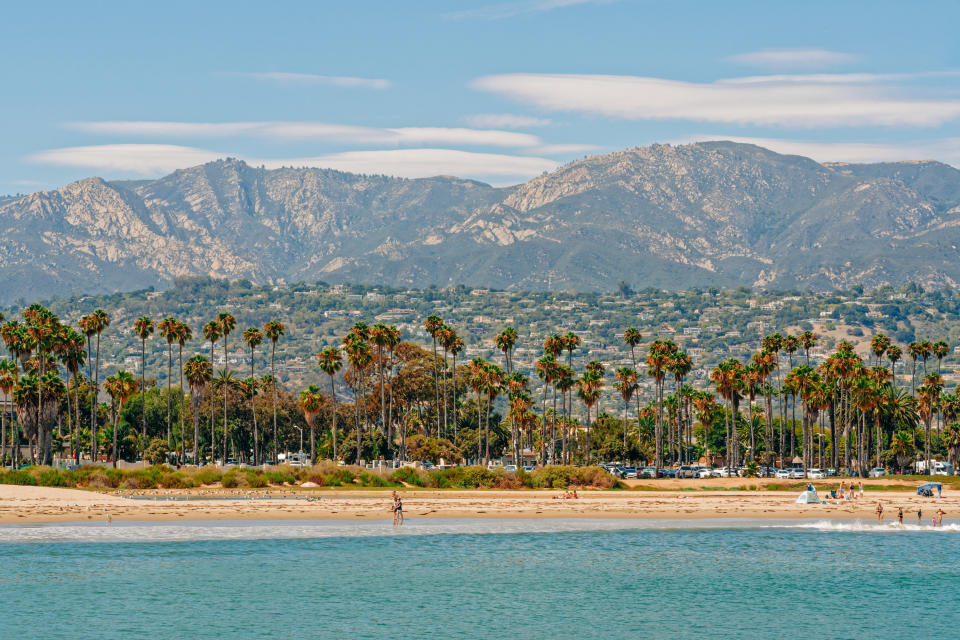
300 453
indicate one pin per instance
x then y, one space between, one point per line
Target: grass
324 474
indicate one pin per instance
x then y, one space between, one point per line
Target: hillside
705 214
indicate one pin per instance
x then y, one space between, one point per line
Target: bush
17 476
256 480
408 475
50 477
176 480
207 476
368 479
229 479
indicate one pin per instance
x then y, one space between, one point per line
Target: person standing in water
900 515
397 509
940 515
879 512
919 515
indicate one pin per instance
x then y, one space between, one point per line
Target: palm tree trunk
93 405
333 404
253 410
169 398
273 376
116 425
143 391
196 426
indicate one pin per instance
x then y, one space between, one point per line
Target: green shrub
368 479
229 479
17 476
207 475
256 480
176 480
408 475
50 477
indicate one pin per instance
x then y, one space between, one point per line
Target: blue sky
497 91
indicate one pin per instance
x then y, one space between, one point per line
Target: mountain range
704 214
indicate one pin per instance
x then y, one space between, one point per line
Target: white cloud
320 131
945 150
793 58
512 9
313 79
157 159
504 121
561 149
143 159
785 101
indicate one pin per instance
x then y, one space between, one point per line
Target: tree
143 329
330 362
432 325
168 331
626 384
227 323
253 337
121 387
8 380
184 334
212 332
311 401
97 323
273 330
199 373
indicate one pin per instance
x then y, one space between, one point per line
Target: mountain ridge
704 214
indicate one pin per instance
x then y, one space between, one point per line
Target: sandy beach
668 499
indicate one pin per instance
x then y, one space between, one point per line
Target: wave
861 526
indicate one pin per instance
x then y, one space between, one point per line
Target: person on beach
879 512
919 515
900 515
861 488
397 510
940 515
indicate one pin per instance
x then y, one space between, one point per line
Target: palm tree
227 324
380 336
626 384
253 337
143 329
99 321
589 391
478 382
941 350
184 334
432 325
224 382
330 362
311 400
8 380
72 356
494 383
680 365
657 359
894 354
456 348
168 331
199 373
121 387
879 345
359 357
914 350
545 368
273 330
212 333
505 341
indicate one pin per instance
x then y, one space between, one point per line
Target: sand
663 499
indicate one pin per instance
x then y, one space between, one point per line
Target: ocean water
480 579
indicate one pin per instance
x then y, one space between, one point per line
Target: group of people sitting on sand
935 521
568 495
849 493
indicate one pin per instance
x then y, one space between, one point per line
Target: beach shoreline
28 504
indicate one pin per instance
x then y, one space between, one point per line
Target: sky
495 91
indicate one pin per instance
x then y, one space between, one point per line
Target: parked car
783 474
724 472
646 472
668 473
705 472
510 468
687 471
877 472
816 474
796 473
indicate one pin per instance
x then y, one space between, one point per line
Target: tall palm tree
658 357
894 354
311 401
941 350
8 380
199 373
914 350
184 334
506 340
456 348
143 329
879 345
626 384
494 384
380 336
227 324
212 333
168 331
72 356
99 321
121 387
330 362
432 325
273 330
545 367
359 356
478 381
254 338
589 391
225 382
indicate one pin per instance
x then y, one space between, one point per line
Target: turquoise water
480 579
